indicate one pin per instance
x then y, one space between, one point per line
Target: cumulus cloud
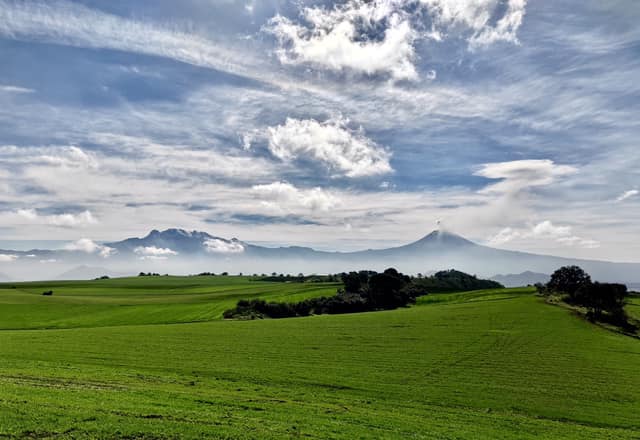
65 220
287 197
152 251
7 258
544 230
333 143
627 194
521 174
503 236
336 39
379 36
90 247
217 246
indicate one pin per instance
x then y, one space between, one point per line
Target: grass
633 306
138 300
478 365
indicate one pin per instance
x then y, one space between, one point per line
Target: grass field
633 306
150 358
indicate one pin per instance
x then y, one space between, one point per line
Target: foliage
601 297
455 281
568 280
604 301
300 278
363 291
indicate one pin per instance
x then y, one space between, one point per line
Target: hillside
483 365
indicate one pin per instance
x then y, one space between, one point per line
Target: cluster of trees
454 281
300 278
363 291
148 274
212 274
603 301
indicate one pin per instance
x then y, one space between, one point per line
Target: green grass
139 300
633 306
495 364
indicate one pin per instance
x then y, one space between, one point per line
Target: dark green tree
568 279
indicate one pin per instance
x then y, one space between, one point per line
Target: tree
352 282
568 279
602 297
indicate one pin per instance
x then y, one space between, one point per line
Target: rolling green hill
150 358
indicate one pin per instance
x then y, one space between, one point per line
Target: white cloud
84 218
521 174
90 247
476 17
627 194
15 89
152 251
548 229
504 236
333 39
287 197
7 258
217 246
180 161
72 157
68 23
63 156
341 38
544 230
67 220
332 142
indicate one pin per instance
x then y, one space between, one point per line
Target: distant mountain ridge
88 273
178 240
522 279
180 251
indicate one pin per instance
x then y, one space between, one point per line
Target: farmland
151 358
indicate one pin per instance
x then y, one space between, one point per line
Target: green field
150 358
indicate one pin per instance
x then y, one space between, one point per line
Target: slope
483 365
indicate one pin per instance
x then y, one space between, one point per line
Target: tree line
363 291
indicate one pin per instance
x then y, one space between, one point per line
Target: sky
337 124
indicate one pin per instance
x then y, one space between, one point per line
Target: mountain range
180 251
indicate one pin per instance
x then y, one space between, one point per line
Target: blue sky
343 125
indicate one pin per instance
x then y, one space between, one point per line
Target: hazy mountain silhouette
89 273
521 279
180 251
